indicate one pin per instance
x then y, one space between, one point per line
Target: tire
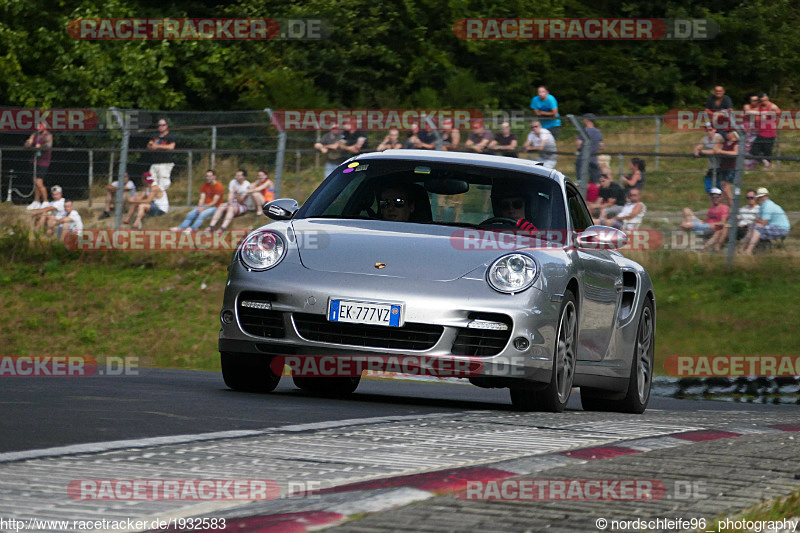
248 372
328 386
640 380
554 397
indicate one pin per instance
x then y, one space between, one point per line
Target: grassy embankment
163 307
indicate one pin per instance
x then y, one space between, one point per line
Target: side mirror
601 238
282 209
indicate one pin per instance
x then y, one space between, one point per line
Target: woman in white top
238 195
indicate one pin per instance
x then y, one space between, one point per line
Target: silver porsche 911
489 261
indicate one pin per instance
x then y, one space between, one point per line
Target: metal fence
82 161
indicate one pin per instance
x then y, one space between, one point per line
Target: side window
578 213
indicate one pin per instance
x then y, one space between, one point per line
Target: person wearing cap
707 146
153 201
745 218
596 143
55 209
716 217
771 223
71 222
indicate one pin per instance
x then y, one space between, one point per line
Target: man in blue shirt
771 223
546 108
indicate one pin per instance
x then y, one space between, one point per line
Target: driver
513 207
395 204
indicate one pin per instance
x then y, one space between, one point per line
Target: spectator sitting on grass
716 216
151 202
210 197
631 214
40 216
610 199
635 180
111 195
70 223
746 217
261 192
771 222
238 194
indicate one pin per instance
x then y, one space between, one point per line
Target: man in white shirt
70 223
48 210
111 195
539 140
238 193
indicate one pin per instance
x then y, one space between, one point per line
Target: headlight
262 250
512 273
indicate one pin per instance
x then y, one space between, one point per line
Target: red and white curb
377 495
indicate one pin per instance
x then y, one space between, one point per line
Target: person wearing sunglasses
395 205
513 207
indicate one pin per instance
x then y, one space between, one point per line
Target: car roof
482 160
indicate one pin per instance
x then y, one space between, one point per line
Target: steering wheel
498 220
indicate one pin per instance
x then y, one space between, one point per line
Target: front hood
414 251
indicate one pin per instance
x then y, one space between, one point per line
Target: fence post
585 154
123 164
658 139
316 152
297 174
213 145
111 168
91 175
738 178
279 157
189 175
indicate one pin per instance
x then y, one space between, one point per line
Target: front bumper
299 297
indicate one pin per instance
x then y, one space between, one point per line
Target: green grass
774 510
151 305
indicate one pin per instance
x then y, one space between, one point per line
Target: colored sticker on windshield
422 170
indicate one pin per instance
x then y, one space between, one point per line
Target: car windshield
437 193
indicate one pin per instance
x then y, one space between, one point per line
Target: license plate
377 314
